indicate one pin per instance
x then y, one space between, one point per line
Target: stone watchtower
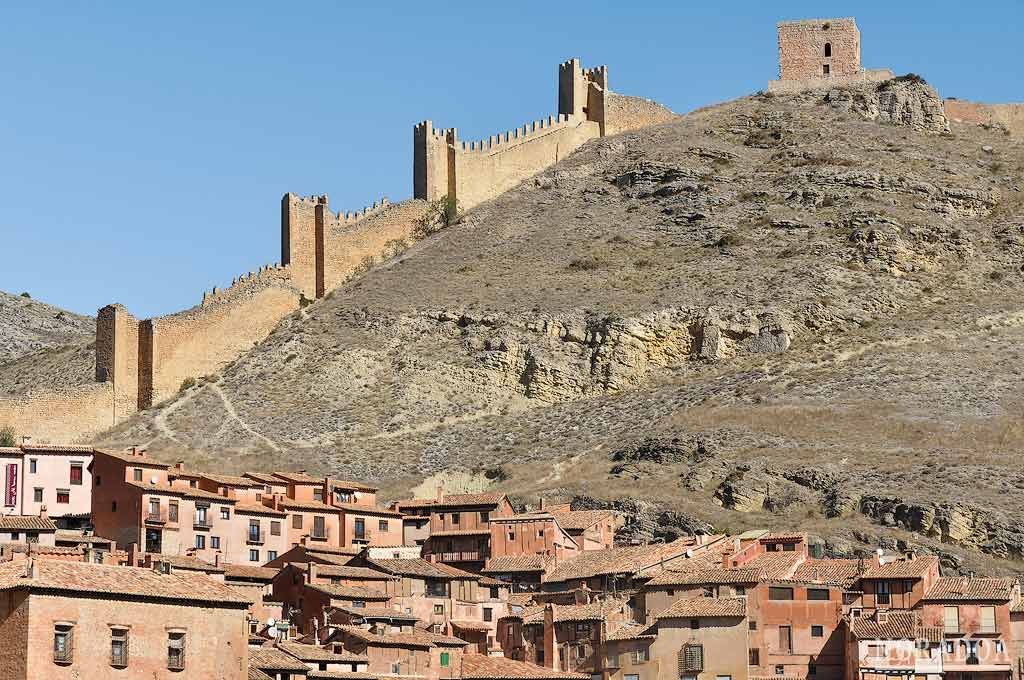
819 48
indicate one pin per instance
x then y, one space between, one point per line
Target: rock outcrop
906 101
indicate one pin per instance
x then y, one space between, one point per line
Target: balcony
461 556
363 536
319 534
256 537
204 523
158 517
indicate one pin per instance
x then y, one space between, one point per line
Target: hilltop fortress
140 363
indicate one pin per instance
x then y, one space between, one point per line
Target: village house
892 642
39 529
417 652
61 619
53 477
521 573
535 533
460 532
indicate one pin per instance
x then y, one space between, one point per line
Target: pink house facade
55 477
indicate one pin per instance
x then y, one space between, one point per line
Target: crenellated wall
140 363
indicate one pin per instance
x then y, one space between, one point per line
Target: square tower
819 48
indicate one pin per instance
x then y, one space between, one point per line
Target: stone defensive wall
141 363
1010 116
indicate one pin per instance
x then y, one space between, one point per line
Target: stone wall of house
1010 116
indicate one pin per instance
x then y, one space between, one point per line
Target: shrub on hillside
440 214
6 436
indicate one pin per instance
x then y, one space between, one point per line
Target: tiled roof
85 577
249 573
37 549
696 607
207 495
477 626
71 536
54 448
317 653
706 576
257 509
382 612
578 520
521 599
458 500
623 560
188 563
340 675
345 571
230 480
355 508
126 456
342 592
264 477
311 506
257 674
483 667
903 569
349 484
417 639
26 523
298 478
270 658
422 568
631 631
893 624
784 537
776 565
515 563
839 572
595 611
965 589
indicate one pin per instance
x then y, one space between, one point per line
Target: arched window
828 49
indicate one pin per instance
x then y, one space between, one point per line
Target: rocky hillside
790 311
34 333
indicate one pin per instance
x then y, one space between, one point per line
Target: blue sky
146 146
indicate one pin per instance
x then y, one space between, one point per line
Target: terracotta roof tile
507 564
311 506
707 576
483 667
966 589
127 457
696 607
893 624
422 568
343 592
454 501
257 674
349 484
417 639
54 448
26 523
187 562
595 611
631 559
839 572
316 653
461 532
774 565
631 631
298 478
903 569
578 520
229 480
340 675
476 626
784 537
355 508
270 658
257 509
382 612
250 573
346 571
84 577
265 478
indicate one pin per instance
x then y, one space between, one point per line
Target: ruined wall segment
1010 116
624 113
65 416
117 356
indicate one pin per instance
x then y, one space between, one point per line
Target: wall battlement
142 362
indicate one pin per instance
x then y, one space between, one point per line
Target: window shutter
988 619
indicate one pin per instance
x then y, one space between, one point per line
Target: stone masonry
821 53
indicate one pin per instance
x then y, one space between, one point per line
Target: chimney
541 502
882 616
311 569
180 466
135 450
42 512
216 559
440 493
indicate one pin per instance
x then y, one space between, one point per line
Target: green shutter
444 659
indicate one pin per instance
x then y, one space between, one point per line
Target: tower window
828 49
825 69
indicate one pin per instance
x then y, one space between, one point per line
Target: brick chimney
43 514
311 571
440 493
541 502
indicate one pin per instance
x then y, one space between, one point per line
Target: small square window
780 670
137 474
200 542
254 555
825 69
225 513
215 542
439 609
817 631
32 465
275 528
382 525
63 496
695 623
37 495
271 555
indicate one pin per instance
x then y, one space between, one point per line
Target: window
511 535
76 474
137 474
949 646
154 508
540 533
1000 647
882 593
723 677
200 542
360 527
631 676
828 49
789 547
63 643
494 592
172 511
752 625
318 494
780 669
876 650
670 592
908 586
275 528
780 593
786 639
37 495
63 496
694 624
988 620
215 542
254 555
951 619
176 651
740 590
201 515
225 513
319 527
113 506
691 659
439 609
817 594
359 604
99 480
582 628
32 465
641 655
271 555
296 521
488 614
455 518
710 591
812 669
485 517
444 659
825 69
754 657
382 525
119 647
817 631
254 530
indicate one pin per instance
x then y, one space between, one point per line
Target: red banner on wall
11 486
